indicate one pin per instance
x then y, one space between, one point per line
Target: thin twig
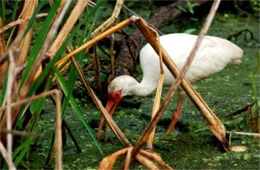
98 38
112 45
29 99
68 26
21 31
72 136
58 133
21 133
158 94
20 21
10 85
128 158
245 108
245 133
6 157
111 20
97 71
58 143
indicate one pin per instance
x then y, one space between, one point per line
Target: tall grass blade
21 151
2 94
255 91
37 105
39 41
76 108
258 63
37 10
15 9
24 150
51 64
73 73
3 12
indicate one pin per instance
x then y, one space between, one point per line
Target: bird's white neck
144 88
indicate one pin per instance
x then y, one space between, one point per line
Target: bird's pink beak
112 105
113 100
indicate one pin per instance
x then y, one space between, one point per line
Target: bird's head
118 88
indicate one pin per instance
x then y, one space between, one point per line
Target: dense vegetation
191 144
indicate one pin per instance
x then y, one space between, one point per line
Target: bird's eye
117 94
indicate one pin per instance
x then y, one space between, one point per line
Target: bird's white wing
213 55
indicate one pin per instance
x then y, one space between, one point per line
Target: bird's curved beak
110 107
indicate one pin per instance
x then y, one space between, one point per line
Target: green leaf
39 40
258 63
191 6
190 30
182 8
21 151
50 65
15 9
255 92
37 105
24 150
73 73
76 109
3 90
247 156
3 12
37 10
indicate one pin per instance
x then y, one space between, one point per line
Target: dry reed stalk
3 66
109 161
156 157
11 90
245 133
41 56
146 162
29 99
20 133
24 44
158 94
19 36
97 71
112 56
128 158
143 157
6 157
64 66
64 32
58 133
215 124
28 81
93 41
111 20
117 131
8 96
58 137
20 21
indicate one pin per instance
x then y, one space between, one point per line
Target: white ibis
213 55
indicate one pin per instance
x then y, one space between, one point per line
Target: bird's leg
176 115
106 132
100 127
106 129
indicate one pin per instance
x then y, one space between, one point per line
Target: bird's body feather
213 55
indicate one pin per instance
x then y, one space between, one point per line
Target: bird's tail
237 54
